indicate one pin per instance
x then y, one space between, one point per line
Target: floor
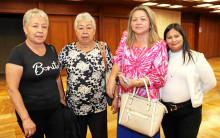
210 127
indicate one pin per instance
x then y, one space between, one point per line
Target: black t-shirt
38 86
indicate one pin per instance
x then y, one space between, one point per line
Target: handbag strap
135 91
103 53
148 95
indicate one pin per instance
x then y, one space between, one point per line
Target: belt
172 106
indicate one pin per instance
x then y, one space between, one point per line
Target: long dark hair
186 48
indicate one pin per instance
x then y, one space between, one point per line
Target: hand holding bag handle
148 95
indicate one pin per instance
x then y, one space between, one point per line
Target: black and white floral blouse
86 92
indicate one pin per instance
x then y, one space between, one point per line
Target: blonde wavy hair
153 33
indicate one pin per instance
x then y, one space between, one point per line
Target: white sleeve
206 74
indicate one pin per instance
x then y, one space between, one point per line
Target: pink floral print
136 63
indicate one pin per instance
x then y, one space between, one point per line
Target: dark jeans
48 122
182 123
97 123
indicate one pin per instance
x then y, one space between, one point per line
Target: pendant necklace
174 73
176 62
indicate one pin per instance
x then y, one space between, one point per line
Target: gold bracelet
139 82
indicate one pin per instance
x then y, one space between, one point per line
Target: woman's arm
61 90
157 77
206 74
131 82
13 76
112 80
114 107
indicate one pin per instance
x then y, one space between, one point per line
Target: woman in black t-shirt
33 80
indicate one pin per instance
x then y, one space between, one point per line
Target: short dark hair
186 48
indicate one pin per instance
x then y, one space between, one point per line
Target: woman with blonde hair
141 55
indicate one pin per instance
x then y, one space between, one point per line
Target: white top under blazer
200 78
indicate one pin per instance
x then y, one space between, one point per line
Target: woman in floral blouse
86 93
141 54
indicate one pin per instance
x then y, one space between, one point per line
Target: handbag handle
103 55
135 91
148 95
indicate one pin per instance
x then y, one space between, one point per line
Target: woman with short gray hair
34 12
85 66
86 16
33 81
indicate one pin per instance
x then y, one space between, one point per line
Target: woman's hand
129 83
63 101
29 127
110 88
114 107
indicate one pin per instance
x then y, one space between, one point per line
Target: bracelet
115 96
25 118
139 82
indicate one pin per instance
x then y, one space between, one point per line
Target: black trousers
182 123
97 124
48 123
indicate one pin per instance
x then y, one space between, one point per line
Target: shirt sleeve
117 59
206 74
16 56
54 51
61 58
157 76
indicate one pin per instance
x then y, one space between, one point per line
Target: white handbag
141 114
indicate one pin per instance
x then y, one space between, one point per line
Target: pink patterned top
143 62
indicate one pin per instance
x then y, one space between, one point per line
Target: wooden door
60 32
112 31
190 30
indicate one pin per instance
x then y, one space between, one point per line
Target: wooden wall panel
117 11
190 28
111 22
16 7
60 31
69 9
97 28
123 25
166 17
111 32
209 36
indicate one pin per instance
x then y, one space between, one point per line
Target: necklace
174 73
